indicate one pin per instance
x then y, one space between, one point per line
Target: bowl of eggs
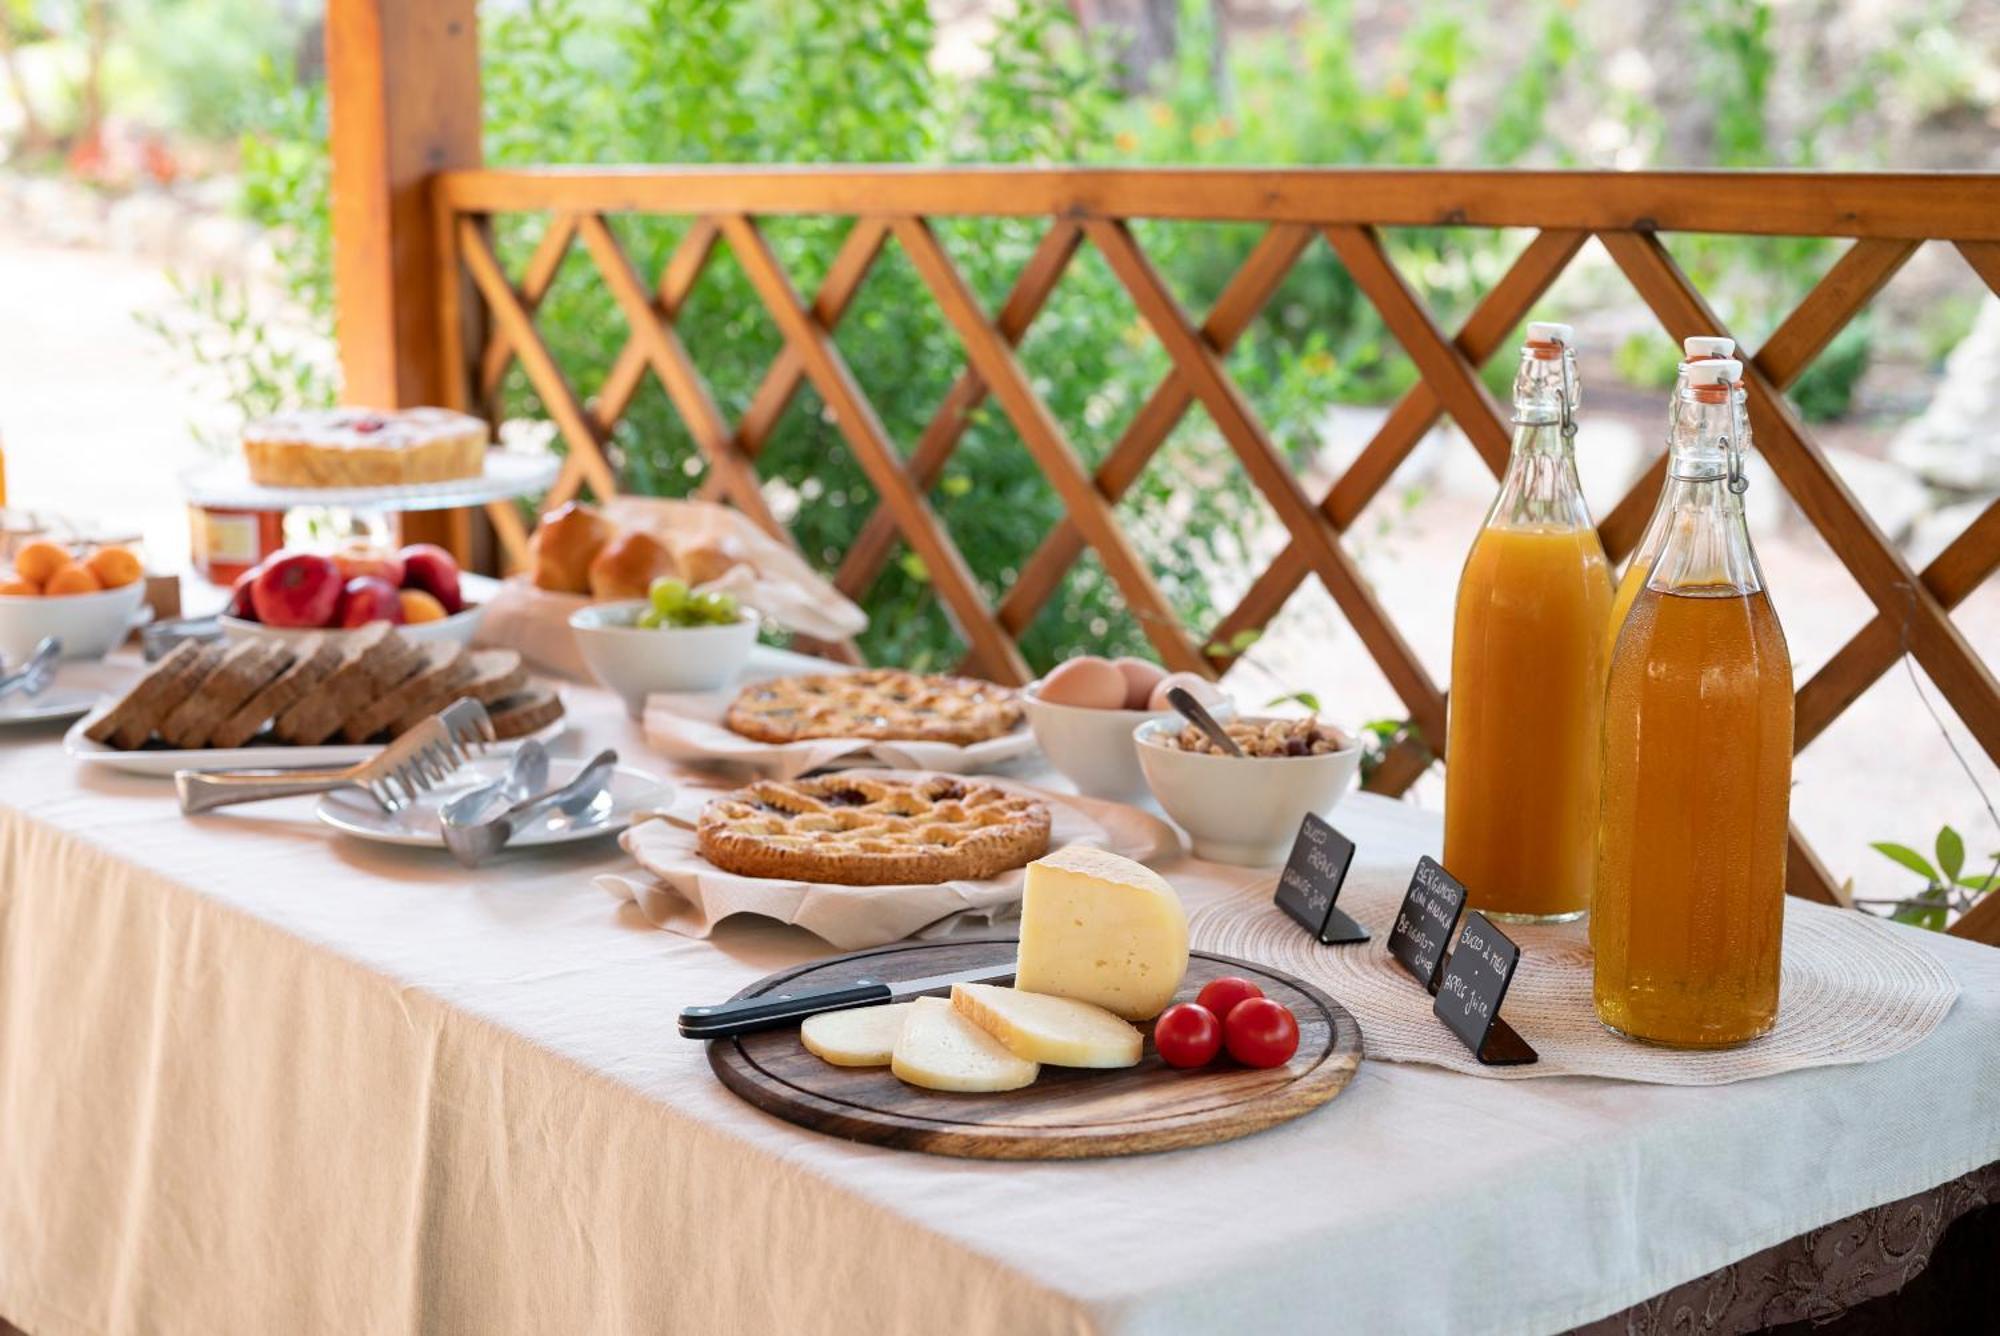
1084 712
85 597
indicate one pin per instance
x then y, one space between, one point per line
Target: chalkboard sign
1426 921
1475 984
1310 883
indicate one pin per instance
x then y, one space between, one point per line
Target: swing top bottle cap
1722 371
1548 331
1701 347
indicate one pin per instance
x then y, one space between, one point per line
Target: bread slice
131 721
494 674
525 712
376 659
239 674
446 665
313 659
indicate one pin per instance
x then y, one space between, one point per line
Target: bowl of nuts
1246 809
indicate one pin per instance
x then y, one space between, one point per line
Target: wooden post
403 79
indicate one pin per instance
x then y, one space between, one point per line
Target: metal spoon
473 843
527 775
1197 714
35 674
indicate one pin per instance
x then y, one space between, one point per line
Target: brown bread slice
524 712
494 673
239 674
376 659
313 659
445 666
131 721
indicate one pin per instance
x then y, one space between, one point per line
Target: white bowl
634 661
1242 809
1093 748
459 626
90 625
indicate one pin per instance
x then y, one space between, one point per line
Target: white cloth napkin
679 890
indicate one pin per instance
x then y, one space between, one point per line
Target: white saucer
54 703
630 791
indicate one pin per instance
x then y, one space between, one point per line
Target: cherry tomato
1187 1035
1221 995
1261 1033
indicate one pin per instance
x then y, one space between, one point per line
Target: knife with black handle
768 1011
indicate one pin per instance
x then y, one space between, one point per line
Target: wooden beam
403 88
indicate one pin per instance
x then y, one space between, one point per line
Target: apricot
114 566
16 587
72 579
39 560
419 607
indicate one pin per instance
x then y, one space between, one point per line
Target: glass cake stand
227 486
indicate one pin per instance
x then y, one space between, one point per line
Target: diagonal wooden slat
1491 321
1263 270
1876 566
998 656
1272 476
1849 285
1984 257
993 358
585 460
684 269
543 265
1981 923
1037 280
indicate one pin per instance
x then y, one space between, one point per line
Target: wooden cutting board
1067 1113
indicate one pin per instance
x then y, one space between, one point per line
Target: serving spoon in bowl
1197 714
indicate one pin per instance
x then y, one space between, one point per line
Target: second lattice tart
883 704
867 830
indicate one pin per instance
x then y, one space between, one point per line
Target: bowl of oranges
84 595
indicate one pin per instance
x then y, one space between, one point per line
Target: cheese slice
857 1037
1057 1030
1102 929
942 1050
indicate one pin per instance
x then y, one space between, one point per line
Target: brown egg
1141 677
1088 682
1197 686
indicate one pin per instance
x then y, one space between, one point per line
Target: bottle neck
1705 544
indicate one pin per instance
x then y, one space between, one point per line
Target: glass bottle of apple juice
1689 911
1528 659
1698 348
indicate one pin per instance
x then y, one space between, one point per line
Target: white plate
164 761
54 703
630 791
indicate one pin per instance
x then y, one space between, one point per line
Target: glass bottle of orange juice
1528 656
1698 348
1689 911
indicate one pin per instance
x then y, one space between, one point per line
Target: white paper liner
679 890
1853 990
687 727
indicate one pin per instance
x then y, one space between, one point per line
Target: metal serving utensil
475 840
527 775
420 759
1197 714
36 671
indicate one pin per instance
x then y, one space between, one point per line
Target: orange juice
1697 780
1522 751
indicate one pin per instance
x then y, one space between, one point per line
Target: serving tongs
474 831
419 760
35 674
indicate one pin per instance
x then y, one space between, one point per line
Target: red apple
359 559
239 595
296 589
428 567
370 598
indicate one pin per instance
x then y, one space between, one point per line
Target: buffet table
257 1076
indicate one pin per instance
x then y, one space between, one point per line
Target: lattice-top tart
884 704
868 830
359 447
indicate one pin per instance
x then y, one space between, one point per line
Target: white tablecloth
259 1077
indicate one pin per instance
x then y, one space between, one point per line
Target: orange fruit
72 579
39 560
15 587
114 566
419 606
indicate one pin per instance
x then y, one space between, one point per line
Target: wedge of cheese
942 1050
859 1037
1060 1031
1102 929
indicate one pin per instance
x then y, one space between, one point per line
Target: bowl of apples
294 594
85 597
674 639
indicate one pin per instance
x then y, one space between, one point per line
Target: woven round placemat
1853 991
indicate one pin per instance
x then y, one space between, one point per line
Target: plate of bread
321 700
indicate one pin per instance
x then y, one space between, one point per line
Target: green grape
651 619
668 595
